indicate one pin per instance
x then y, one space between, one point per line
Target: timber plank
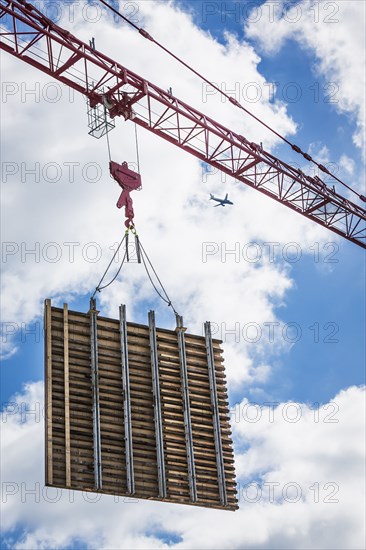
71 412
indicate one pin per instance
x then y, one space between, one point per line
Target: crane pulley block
129 181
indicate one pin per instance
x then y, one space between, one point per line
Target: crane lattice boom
27 34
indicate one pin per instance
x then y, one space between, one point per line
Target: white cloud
347 163
321 150
61 200
7 348
334 33
301 485
174 219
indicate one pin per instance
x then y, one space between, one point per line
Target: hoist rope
109 147
98 288
116 275
141 254
167 300
137 150
232 100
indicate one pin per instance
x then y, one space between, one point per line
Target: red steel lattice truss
27 34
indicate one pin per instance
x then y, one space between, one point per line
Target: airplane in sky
222 202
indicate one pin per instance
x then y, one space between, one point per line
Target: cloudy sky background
297 392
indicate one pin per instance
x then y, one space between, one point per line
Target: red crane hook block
129 181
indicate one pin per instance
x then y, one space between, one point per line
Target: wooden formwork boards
135 410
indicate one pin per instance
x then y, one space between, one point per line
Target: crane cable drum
232 100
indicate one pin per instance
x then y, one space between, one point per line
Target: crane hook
129 181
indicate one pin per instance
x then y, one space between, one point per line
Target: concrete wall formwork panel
136 410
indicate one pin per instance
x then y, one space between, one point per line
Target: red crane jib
156 110
129 181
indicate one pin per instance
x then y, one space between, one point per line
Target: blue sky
316 367
321 296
